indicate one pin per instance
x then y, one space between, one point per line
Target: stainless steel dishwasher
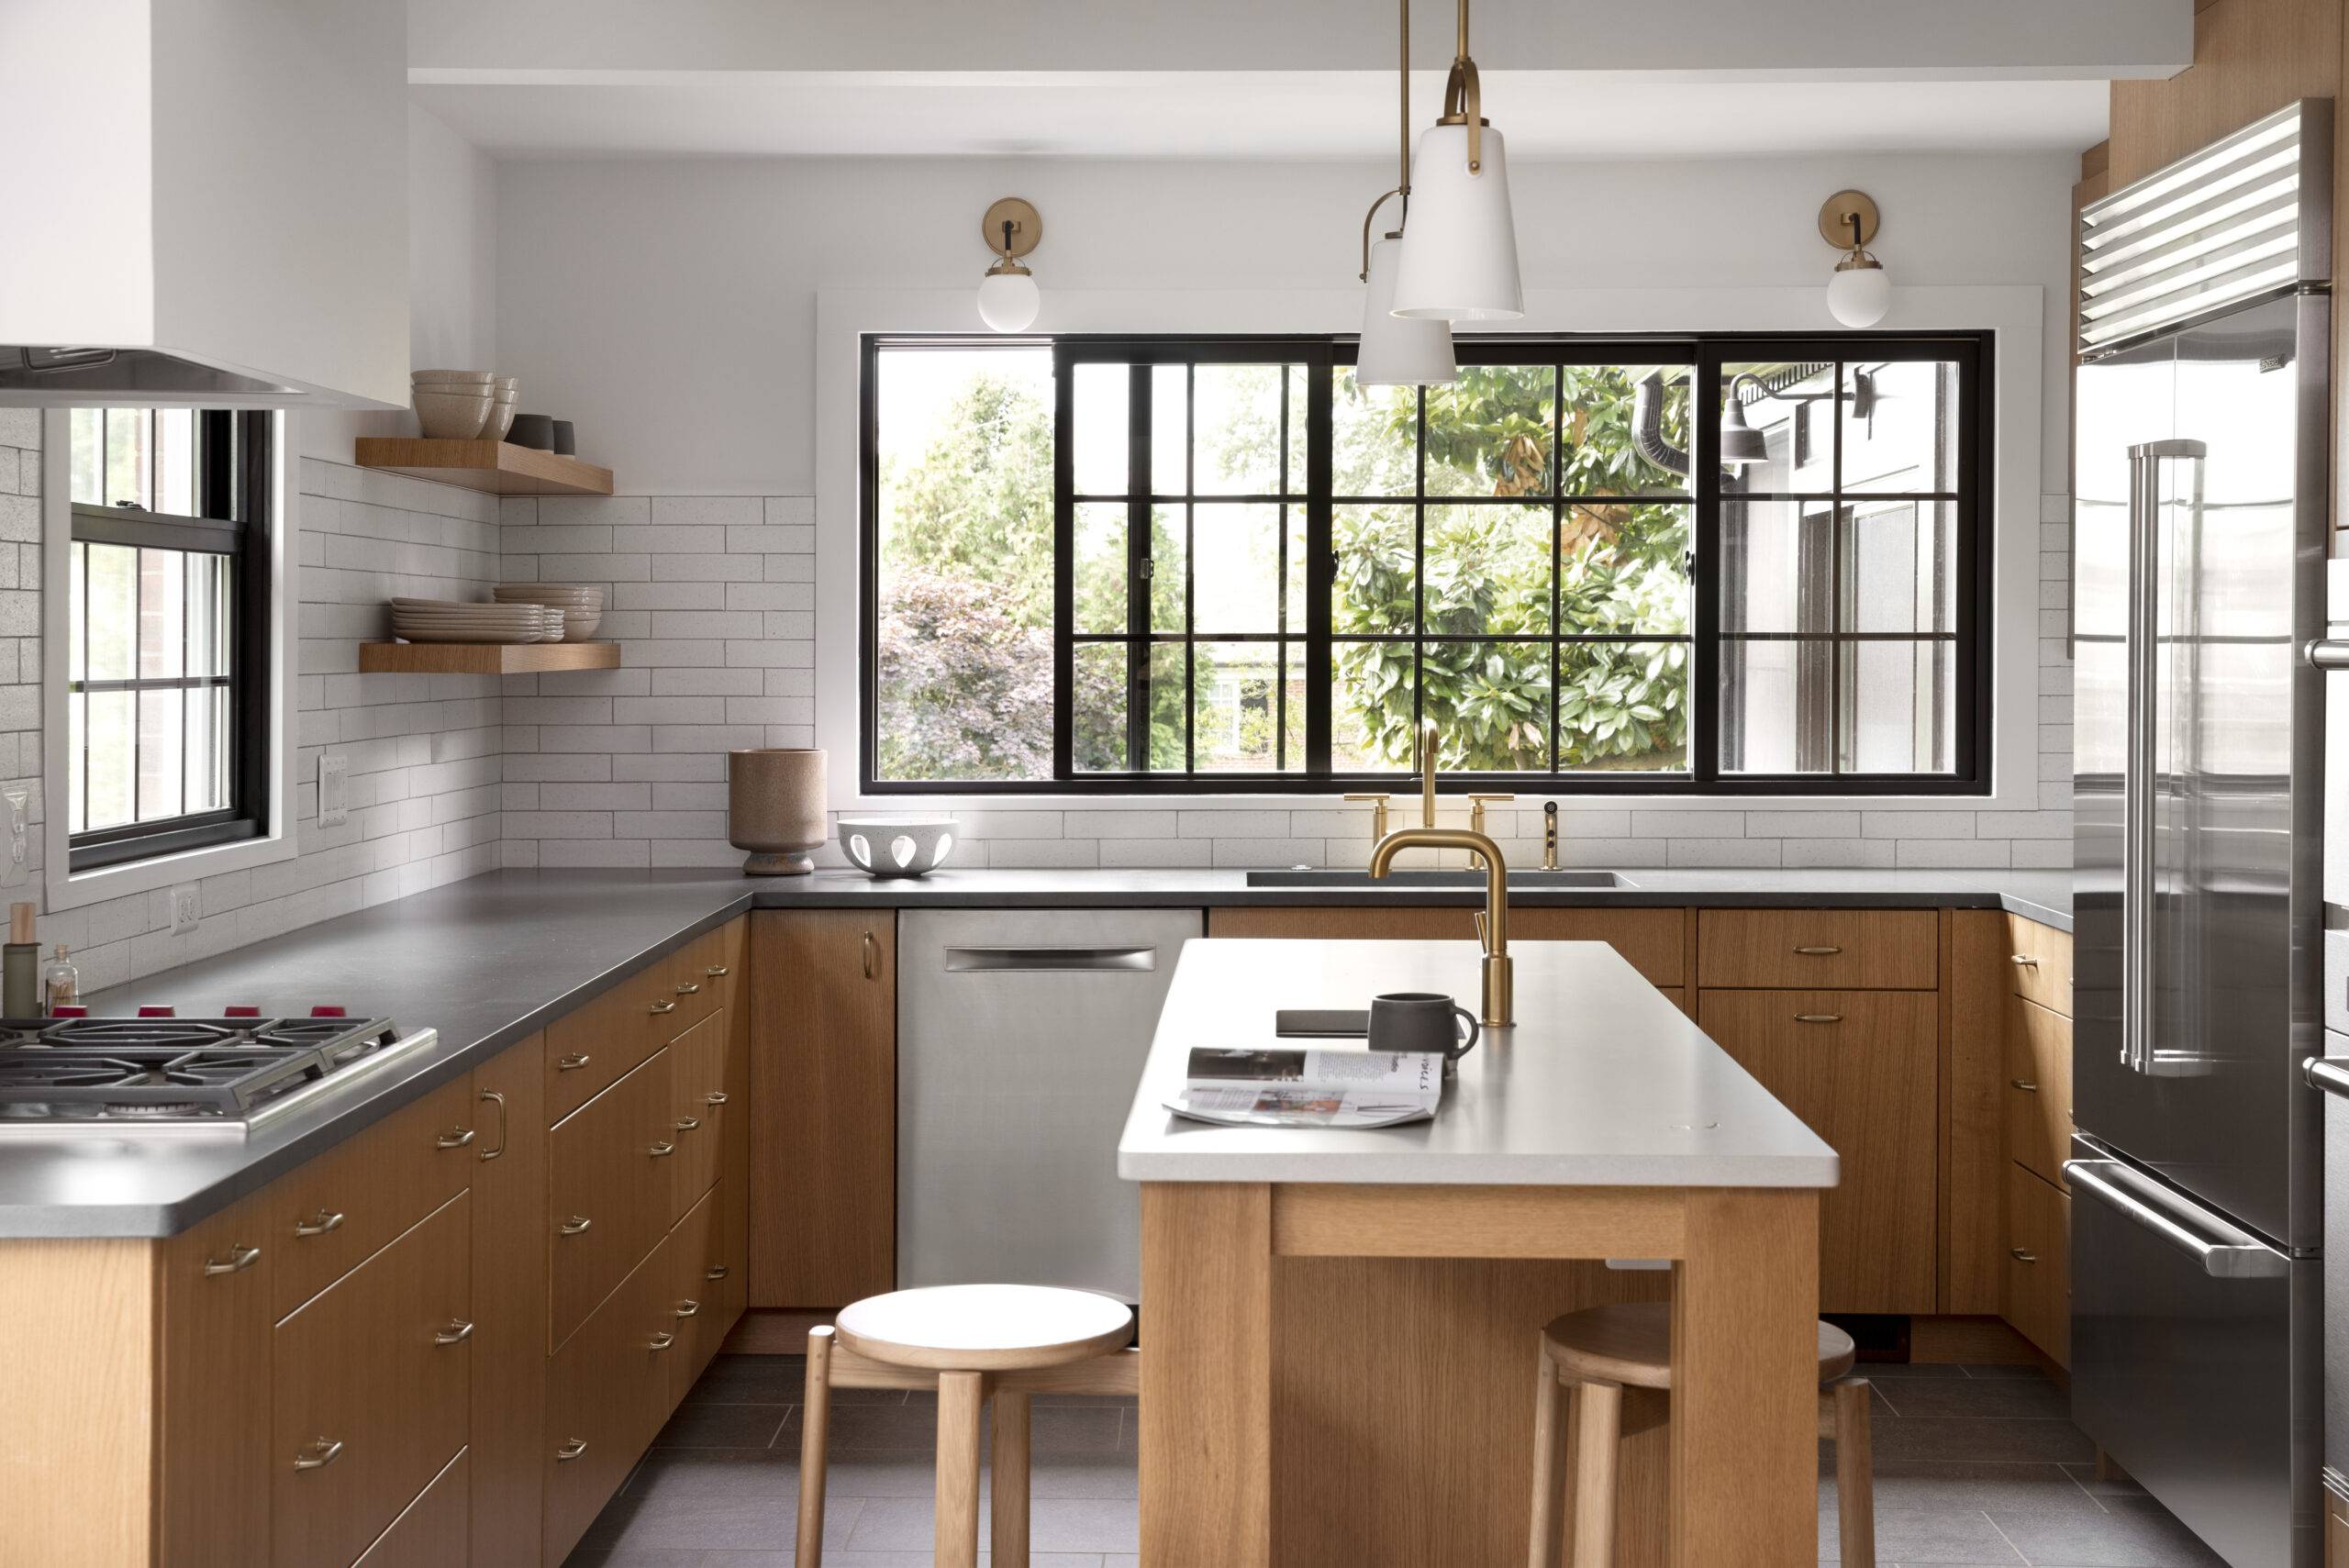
1021 1037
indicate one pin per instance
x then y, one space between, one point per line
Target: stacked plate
444 620
582 608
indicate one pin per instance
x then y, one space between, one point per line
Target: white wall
452 249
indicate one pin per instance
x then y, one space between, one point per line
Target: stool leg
1544 1553
1854 1474
1598 1424
960 1396
815 1431
1010 1534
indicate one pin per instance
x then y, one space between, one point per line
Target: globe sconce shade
1459 251
1397 352
1858 292
1008 299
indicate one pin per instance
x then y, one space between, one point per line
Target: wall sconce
1008 296
1858 292
1740 442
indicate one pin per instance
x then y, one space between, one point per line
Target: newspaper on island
1244 1087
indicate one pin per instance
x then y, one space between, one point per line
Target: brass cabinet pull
319 1453
571 1451
715 1097
457 1137
1818 1017
688 1307
689 1123
872 952
2026 1084
689 990
572 1062
2023 1256
663 1149
718 972
494 1097
660 1341
1818 953
319 1226
234 1261
2026 959
456 1334
660 1007
716 1271
577 1225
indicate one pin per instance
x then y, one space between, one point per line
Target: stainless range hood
81 375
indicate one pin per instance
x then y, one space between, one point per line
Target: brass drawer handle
456 1334
715 1097
571 1451
494 1097
575 1225
872 952
572 1062
718 1271
689 1123
688 1308
2026 959
1818 1017
321 1453
660 1341
663 1149
718 972
2023 1256
2026 1084
319 1226
660 1007
457 1137
1818 953
689 990
234 1261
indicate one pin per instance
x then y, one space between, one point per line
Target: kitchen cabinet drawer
595 1046
1860 1069
2041 958
685 979
430 1531
1651 940
697 1099
327 1216
2038 1263
2038 1088
607 1393
370 1390
695 1252
212 1419
724 962
1870 949
608 1191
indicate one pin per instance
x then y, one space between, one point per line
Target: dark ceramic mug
1421 1020
534 430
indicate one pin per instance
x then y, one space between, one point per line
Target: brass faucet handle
1477 803
1378 804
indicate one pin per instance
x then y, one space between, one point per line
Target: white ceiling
1546 115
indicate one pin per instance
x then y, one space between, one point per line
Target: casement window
1196 566
166 655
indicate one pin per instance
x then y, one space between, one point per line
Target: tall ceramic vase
775 808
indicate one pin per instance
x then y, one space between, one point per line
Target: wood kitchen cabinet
824 1077
1652 942
607 1189
506 1457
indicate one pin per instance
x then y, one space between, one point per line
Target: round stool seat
1631 1343
984 1328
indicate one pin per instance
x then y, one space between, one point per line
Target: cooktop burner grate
185 1067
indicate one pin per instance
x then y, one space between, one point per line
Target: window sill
80 889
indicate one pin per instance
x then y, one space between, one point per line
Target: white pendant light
1858 292
1393 351
1009 298
1459 260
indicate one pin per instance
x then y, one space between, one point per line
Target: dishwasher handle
2235 1255
1052 959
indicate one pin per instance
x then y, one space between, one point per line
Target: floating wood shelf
486 658
498 466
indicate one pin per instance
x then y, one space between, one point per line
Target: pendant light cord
1463 97
1403 189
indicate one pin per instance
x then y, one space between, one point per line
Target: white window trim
66 889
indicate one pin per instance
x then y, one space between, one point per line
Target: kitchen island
1341 1340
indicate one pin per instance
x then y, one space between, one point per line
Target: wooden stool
969 1342
1600 1351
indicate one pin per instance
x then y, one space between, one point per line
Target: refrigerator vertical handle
2137 880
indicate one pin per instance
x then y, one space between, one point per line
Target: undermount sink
1525 879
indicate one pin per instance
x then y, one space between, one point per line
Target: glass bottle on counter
60 982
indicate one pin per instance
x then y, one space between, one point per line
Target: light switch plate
187 907
334 789
16 863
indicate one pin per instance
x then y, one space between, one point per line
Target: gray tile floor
1976 1467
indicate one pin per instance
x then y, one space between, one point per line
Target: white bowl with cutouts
897 846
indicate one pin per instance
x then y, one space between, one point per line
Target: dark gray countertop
487 961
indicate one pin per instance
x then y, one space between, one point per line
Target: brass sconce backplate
1027 226
1835 218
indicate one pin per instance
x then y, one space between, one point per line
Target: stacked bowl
463 405
445 620
580 610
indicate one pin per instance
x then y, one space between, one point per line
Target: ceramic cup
1421 1020
566 441
535 431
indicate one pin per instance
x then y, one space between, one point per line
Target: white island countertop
1602 1082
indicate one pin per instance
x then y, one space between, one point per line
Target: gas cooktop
129 1078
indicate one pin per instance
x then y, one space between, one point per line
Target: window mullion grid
1420 574
1557 555
1190 564
1705 543
1063 566
1140 568
1837 647
1280 600
1319 562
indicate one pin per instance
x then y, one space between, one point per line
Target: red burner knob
240 1012
329 1013
69 1012
155 1012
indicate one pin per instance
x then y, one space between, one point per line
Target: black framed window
1255 575
167 666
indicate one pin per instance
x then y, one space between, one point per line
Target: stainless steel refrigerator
2200 536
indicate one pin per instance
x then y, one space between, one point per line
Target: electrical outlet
16 863
187 907
334 789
